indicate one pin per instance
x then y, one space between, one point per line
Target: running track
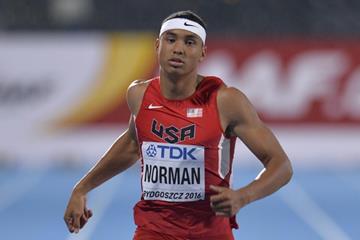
315 205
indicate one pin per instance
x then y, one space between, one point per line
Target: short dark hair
187 14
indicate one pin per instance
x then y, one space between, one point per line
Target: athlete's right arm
121 155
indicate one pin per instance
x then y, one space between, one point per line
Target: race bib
173 172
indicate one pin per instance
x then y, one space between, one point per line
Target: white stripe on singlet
224 156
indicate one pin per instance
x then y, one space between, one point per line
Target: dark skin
122 155
179 57
179 54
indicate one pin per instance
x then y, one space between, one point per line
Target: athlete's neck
178 87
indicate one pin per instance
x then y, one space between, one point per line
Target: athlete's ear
203 53
157 43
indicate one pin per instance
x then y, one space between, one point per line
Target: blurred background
65 66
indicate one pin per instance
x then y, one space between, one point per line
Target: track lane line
16 188
311 213
99 202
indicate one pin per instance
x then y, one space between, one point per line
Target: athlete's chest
178 122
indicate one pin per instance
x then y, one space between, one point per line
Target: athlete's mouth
176 62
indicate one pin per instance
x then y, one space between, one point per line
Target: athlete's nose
178 48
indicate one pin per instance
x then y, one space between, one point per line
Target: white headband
185 24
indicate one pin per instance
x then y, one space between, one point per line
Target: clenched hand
76 213
227 202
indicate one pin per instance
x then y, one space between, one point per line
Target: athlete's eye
170 39
190 42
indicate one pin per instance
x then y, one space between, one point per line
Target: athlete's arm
239 118
122 155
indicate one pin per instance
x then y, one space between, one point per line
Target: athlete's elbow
287 171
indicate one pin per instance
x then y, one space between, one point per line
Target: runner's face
179 51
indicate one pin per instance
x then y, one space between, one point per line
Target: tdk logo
151 151
171 152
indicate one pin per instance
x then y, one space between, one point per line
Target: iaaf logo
171 152
313 85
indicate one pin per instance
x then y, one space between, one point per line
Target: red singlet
184 151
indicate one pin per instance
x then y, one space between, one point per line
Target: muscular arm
121 155
239 118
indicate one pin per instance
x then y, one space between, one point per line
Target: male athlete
183 128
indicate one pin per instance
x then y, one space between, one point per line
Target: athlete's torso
184 151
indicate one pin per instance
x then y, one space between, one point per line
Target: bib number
173 172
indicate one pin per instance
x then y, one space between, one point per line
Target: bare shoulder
231 99
227 94
135 94
234 107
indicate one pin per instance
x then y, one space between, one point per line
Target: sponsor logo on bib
173 172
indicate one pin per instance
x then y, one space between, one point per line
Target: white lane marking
311 213
98 203
22 183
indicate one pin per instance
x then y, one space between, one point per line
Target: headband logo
190 25
185 24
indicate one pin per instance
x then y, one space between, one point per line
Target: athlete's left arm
239 118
